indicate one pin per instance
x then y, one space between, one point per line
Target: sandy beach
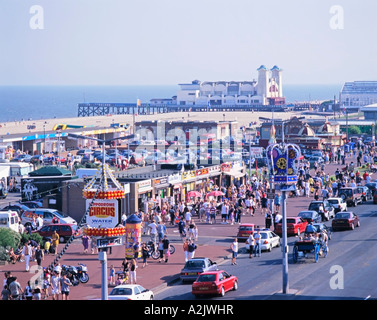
243 118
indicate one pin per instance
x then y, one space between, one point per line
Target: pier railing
101 109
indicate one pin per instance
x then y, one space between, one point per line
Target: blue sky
160 42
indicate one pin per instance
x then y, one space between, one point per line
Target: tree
354 130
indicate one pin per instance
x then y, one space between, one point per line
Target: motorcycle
82 270
72 274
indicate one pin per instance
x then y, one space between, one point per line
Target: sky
166 42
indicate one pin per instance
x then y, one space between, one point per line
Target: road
348 271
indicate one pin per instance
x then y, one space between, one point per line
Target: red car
244 231
345 220
214 283
295 225
65 231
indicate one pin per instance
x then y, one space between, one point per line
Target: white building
358 93
267 90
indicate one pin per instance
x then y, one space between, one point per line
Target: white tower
276 73
262 85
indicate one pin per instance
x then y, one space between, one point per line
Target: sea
47 102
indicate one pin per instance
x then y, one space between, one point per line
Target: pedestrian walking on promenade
144 253
54 242
185 249
27 253
112 275
258 240
166 248
234 248
191 249
251 242
39 255
133 267
65 283
85 242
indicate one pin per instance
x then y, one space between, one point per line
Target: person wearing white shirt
27 252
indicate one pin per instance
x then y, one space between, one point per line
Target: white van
9 219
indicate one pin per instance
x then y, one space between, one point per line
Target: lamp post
102 255
283 166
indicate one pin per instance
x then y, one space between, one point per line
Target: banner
103 213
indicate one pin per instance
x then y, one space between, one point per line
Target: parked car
321 227
317 159
9 219
327 207
366 193
345 220
295 225
19 208
269 240
338 203
49 216
372 186
22 158
244 231
310 216
130 292
194 267
351 195
65 231
214 283
32 204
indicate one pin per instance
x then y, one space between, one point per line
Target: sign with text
103 213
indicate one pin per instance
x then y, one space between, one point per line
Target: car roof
307 211
128 286
334 198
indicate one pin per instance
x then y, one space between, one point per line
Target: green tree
354 130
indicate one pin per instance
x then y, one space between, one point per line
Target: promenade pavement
213 242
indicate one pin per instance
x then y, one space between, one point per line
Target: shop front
233 173
175 188
188 183
144 193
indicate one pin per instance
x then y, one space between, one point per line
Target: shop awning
235 174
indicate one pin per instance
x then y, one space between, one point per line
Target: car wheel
235 286
269 248
298 232
358 224
222 292
61 239
352 226
151 297
355 203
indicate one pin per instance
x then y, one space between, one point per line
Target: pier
103 109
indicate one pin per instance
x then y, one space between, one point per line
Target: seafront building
267 90
358 94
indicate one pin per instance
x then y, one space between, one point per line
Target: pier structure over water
103 109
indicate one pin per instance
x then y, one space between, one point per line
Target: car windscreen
305 214
314 206
194 264
60 214
206 278
347 192
342 216
291 221
246 228
121 292
333 201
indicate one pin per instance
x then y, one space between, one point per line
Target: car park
295 225
345 220
338 203
214 283
130 292
351 195
49 216
269 240
65 231
310 216
328 212
244 230
194 267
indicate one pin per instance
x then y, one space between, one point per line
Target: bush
34 236
9 238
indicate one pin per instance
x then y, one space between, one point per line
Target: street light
283 167
102 256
